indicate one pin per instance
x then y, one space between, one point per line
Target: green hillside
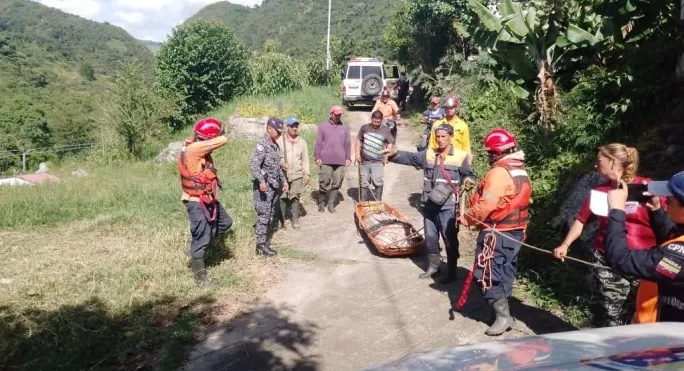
299 27
53 66
152 45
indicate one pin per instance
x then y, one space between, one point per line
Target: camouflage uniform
614 296
265 167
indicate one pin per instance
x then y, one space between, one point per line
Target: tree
136 110
204 63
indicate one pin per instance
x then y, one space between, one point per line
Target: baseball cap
291 121
673 187
336 110
446 127
275 123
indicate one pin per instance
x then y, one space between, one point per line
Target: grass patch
298 254
92 270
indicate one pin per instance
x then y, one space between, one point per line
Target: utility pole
327 48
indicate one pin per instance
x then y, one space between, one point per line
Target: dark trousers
441 223
202 231
264 204
504 263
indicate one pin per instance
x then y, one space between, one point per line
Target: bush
136 111
275 73
205 63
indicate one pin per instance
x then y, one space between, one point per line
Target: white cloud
144 19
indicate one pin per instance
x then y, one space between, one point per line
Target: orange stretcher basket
388 229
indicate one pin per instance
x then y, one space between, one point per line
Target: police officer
443 169
501 201
199 183
269 179
662 264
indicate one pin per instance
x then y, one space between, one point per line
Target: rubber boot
378 193
434 260
321 201
332 198
282 203
265 250
295 213
200 273
452 265
503 321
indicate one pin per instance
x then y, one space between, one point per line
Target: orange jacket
503 196
647 296
195 155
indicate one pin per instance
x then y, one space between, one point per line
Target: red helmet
499 140
208 128
451 102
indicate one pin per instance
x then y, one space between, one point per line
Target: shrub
205 63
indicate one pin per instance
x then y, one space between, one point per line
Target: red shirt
640 236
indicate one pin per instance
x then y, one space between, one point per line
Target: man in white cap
333 154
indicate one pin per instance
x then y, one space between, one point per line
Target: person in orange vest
200 184
662 264
501 201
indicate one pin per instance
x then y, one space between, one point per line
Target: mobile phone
635 192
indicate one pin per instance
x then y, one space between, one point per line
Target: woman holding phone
616 294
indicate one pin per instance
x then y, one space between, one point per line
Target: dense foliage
204 63
299 25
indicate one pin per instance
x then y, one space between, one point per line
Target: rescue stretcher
387 229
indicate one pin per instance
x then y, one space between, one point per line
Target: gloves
468 183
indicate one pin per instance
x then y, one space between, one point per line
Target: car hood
657 346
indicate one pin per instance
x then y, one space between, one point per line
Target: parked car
364 78
653 346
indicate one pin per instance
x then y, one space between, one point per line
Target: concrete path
349 307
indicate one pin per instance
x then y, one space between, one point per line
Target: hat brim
659 188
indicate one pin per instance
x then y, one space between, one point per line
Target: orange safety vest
647 296
515 214
202 184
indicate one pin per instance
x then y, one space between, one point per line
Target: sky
144 19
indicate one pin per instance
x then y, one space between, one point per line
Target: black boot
282 205
200 273
503 321
295 213
452 264
434 260
378 193
265 250
321 201
332 198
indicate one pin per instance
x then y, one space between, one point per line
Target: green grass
298 254
92 270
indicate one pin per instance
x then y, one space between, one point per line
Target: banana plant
534 41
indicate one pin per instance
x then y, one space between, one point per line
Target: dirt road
343 307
